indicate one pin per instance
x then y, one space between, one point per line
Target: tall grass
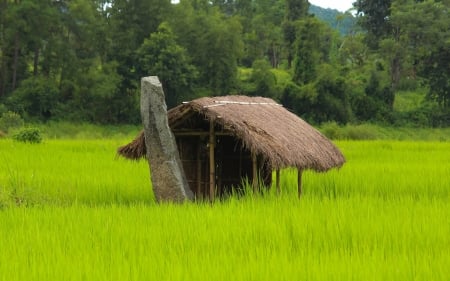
317 239
66 171
86 215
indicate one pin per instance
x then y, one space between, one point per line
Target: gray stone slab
167 175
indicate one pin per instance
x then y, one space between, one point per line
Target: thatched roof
263 126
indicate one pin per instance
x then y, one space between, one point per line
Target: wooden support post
240 163
277 180
212 163
199 169
299 182
255 173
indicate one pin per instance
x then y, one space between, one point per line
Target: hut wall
194 157
233 164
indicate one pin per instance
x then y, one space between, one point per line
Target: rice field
71 210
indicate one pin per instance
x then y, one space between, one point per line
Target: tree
36 98
294 11
327 99
312 47
374 18
264 41
436 71
263 79
425 41
214 43
129 23
353 52
160 55
3 57
375 102
263 35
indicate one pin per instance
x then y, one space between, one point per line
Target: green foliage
160 55
333 101
379 91
359 132
295 11
372 98
314 41
30 135
374 18
129 23
290 96
325 99
437 72
426 40
353 52
409 100
82 60
95 96
212 41
282 76
263 79
437 115
3 109
36 97
10 120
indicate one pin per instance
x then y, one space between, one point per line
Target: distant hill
345 25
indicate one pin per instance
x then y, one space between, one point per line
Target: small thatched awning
263 126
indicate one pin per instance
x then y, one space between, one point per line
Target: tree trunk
273 56
15 61
396 70
3 71
3 79
3 75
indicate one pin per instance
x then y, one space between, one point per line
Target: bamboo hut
223 140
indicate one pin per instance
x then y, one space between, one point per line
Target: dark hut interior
233 163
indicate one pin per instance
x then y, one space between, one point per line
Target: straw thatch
264 127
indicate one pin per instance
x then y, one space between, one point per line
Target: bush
360 132
350 132
3 109
332 130
10 120
31 135
36 97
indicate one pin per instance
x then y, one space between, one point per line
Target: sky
340 5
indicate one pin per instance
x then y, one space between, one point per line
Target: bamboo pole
299 182
199 169
212 172
277 180
255 173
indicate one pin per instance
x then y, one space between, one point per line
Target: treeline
82 60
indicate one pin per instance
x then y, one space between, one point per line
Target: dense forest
82 60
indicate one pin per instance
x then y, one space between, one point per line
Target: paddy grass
71 210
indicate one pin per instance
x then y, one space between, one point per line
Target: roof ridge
225 102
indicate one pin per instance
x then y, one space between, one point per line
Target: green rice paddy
71 210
